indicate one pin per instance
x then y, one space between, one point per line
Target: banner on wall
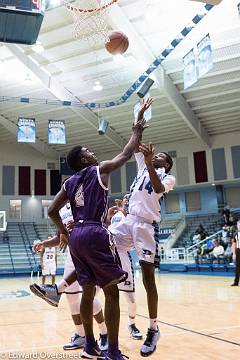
190 69
56 132
26 130
205 56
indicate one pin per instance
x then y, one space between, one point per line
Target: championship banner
26 130
205 56
190 69
56 132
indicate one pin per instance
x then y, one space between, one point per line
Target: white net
90 19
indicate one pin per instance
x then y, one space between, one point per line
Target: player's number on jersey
147 186
49 257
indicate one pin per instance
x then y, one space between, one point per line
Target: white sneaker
150 344
77 342
134 332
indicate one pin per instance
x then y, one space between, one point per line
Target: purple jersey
87 195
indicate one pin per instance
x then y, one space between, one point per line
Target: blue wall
208 203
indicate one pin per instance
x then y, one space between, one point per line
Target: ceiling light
97 86
28 79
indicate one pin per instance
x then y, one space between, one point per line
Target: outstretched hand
145 105
38 247
148 152
141 122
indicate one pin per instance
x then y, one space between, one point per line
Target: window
172 203
233 197
116 185
45 206
193 201
15 209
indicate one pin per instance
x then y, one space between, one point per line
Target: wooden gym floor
199 318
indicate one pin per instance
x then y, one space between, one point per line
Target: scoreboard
21 20
24 5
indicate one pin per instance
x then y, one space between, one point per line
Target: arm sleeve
140 162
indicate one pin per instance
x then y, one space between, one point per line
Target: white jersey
143 201
117 218
66 213
49 255
237 238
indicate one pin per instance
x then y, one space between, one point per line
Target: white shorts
74 288
136 233
48 268
126 261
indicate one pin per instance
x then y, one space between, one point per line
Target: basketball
117 44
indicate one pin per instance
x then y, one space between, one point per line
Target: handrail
24 242
181 225
33 256
10 253
200 242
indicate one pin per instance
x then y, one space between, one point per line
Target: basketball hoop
90 19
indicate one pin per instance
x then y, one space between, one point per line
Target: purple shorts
94 256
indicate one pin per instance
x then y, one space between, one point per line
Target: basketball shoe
92 352
118 356
103 342
49 293
150 344
77 342
134 332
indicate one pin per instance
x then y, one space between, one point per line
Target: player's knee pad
97 306
74 301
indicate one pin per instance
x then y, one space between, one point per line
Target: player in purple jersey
91 245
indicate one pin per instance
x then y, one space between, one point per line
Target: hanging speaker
103 127
144 89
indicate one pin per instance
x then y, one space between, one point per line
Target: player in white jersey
140 230
73 293
48 263
116 215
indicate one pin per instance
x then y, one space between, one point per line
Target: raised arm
53 211
106 167
148 152
39 246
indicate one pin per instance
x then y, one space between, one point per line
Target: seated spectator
228 254
217 252
203 254
225 234
196 237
